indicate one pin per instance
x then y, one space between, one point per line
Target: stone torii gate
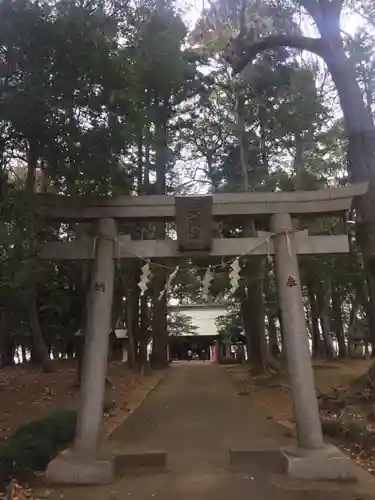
194 216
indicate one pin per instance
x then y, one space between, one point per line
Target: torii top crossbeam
321 201
193 217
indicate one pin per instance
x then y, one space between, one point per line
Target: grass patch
333 428
33 445
350 432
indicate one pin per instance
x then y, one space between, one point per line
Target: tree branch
337 6
311 6
314 45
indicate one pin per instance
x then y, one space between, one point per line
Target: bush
350 432
33 445
355 432
333 428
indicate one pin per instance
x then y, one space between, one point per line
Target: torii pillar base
72 469
327 463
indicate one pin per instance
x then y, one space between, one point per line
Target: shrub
350 432
33 445
333 428
355 431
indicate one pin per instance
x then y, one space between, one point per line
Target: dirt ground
196 416
330 378
26 394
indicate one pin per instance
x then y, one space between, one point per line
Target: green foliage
109 98
89 93
230 324
180 324
32 446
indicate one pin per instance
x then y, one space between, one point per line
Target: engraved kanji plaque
194 222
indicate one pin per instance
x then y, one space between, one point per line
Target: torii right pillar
311 458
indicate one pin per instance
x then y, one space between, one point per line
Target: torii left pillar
81 464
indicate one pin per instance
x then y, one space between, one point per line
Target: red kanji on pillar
291 282
99 286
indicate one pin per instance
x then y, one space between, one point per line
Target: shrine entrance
194 218
200 343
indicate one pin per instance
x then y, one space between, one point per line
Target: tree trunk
274 348
41 350
132 315
24 354
252 305
143 333
116 308
83 292
159 324
7 352
323 300
34 360
252 312
314 314
361 161
337 324
269 298
39 344
279 316
7 346
246 323
159 356
352 324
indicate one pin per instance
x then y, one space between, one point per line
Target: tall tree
359 123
